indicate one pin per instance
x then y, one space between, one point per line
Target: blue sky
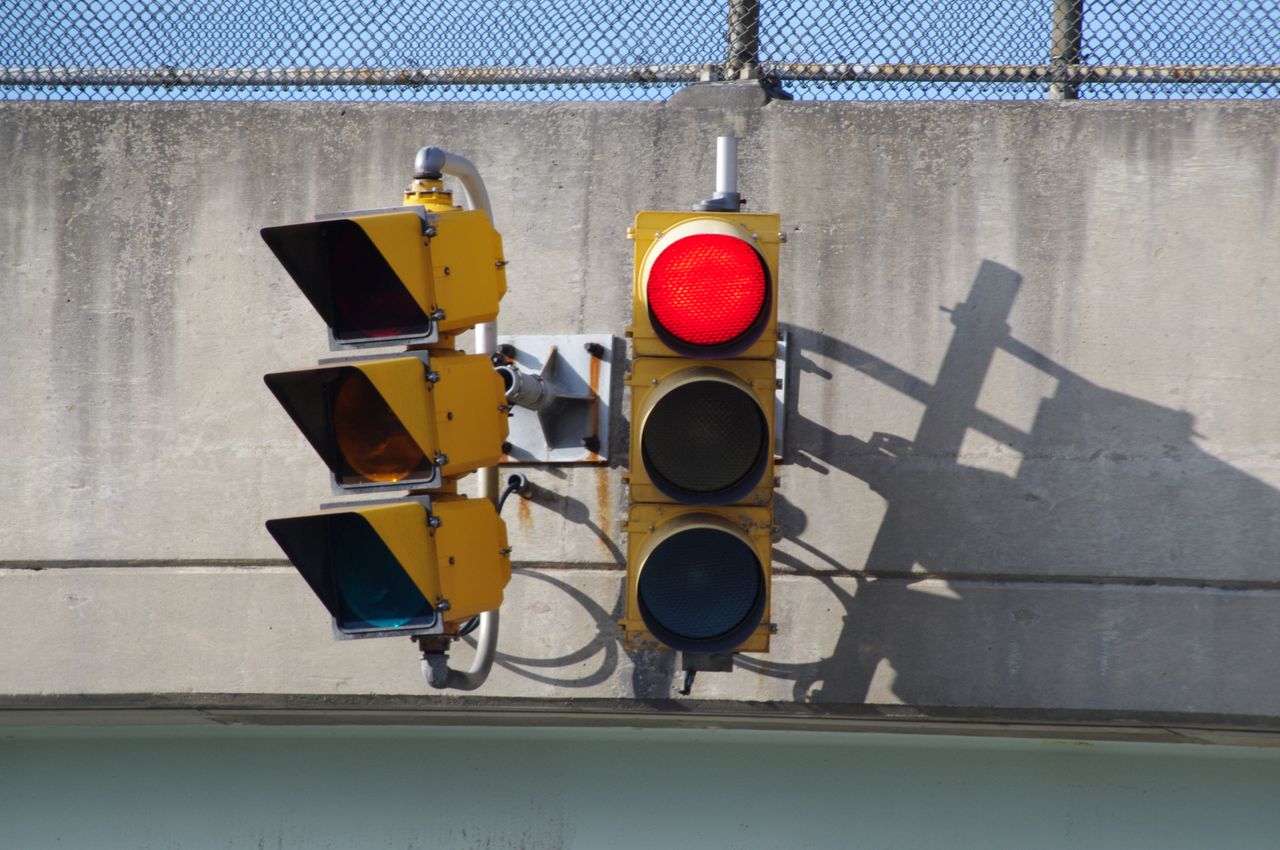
326 33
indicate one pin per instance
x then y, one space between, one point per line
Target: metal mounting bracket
558 387
782 371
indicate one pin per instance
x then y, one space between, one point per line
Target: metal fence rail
637 49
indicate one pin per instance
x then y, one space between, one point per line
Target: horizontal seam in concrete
1025 578
245 563
778 572
241 563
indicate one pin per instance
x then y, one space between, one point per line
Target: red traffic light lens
369 300
345 277
708 290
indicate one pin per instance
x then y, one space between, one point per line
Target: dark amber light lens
370 437
708 289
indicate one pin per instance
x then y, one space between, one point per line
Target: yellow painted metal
456 417
431 194
468 268
402 383
470 410
653 377
654 230
649 524
472 555
397 236
466 257
460 270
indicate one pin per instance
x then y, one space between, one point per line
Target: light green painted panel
440 787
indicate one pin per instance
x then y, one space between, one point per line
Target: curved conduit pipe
431 163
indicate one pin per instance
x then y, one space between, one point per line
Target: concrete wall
1034 431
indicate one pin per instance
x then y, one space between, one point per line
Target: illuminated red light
707 289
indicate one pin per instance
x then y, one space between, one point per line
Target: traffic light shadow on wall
416 419
704 382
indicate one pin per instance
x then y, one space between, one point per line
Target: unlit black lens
705 442
702 590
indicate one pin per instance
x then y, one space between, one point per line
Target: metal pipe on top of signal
726 198
726 165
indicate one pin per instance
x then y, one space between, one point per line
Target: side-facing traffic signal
413 420
703 382
400 567
417 274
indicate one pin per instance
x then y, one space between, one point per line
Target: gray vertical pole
1068 17
726 166
744 40
726 198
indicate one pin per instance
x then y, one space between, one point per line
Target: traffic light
400 567
703 382
418 274
413 420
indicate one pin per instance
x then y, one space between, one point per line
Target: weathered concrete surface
1037 372
1052 649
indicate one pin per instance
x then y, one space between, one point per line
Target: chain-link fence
637 49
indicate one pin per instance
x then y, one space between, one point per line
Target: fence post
744 40
1068 19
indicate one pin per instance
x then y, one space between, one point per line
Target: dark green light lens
373 589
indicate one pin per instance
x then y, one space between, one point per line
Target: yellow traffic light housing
407 567
408 275
703 392
415 420
412 420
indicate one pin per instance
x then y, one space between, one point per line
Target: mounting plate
574 428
